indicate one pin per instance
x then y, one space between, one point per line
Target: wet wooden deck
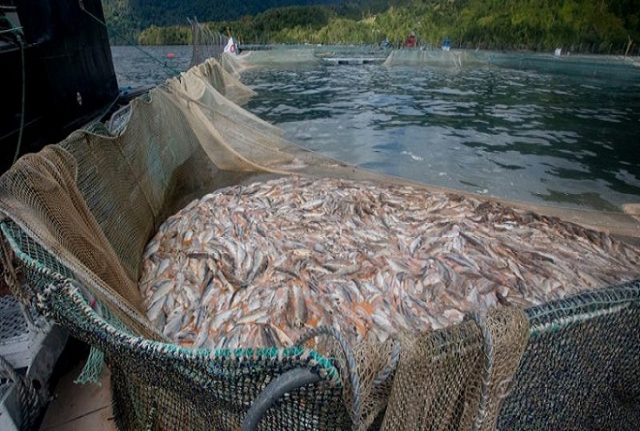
80 407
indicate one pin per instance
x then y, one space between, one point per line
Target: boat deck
80 407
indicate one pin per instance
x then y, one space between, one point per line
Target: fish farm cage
75 220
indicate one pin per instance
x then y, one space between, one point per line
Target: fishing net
616 68
276 57
608 67
205 43
77 216
578 370
433 58
463 374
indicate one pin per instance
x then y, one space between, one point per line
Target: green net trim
93 368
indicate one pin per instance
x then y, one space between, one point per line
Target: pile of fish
259 265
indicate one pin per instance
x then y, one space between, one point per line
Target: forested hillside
602 26
128 17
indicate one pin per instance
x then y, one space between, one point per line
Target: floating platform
336 61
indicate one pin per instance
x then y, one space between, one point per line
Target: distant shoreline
633 59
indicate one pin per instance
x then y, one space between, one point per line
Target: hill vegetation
602 26
127 18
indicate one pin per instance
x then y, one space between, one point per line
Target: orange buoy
171 55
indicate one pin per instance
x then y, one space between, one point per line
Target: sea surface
138 66
552 139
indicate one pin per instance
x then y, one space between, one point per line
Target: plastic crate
32 352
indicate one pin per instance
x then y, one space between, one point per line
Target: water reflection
514 134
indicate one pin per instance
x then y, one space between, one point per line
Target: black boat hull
69 73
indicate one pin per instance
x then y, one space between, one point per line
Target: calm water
514 134
148 65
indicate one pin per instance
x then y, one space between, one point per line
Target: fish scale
259 265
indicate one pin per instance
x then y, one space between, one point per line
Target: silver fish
257 265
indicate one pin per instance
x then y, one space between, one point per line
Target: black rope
29 401
24 96
489 353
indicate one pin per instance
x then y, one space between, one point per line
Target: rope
130 42
352 367
151 418
11 30
29 401
489 353
97 119
24 98
10 277
386 372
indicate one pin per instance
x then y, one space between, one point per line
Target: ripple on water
514 134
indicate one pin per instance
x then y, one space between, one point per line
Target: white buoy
231 47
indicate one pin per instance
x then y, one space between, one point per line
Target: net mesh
205 43
78 215
579 370
43 190
276 57
607 67
418 57
463 374
448 367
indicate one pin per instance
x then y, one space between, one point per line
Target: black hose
352 366
284 383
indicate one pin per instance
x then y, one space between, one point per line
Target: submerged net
79 214
205 43
433 58
602 67
276 57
